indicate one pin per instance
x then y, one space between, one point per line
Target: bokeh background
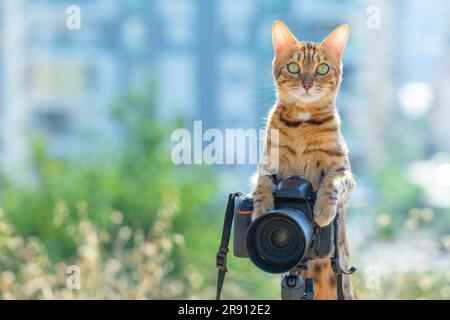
86 118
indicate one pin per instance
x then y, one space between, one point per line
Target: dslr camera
284 240
287 237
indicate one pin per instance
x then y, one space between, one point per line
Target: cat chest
302 142
309 155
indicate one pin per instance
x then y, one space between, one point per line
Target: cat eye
322 69
293 67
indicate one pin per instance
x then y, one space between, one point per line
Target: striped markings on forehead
309 52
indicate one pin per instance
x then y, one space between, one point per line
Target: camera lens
280 238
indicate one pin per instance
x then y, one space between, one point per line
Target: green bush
133 181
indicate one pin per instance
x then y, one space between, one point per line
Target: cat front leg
263 187
335 187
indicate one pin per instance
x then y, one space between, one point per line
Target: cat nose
307 86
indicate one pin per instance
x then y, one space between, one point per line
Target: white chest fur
304 116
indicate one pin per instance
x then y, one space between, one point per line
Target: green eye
322 69
293 67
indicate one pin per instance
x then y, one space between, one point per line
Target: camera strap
221 257
335 263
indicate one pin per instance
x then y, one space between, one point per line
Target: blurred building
62 82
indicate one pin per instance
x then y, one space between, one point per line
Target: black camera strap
335 263
221 258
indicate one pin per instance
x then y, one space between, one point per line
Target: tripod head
295 287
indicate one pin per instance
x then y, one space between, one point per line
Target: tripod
295 287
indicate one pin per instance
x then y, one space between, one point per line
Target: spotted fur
310 141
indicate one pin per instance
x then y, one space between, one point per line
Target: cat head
307 72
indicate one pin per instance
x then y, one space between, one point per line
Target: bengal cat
310 143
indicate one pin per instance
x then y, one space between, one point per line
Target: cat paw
261 209
324 211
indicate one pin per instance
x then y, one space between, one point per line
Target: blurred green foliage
397 195
132 180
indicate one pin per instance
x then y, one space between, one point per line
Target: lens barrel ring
268 257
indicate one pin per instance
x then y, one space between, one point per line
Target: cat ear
337 40
282 37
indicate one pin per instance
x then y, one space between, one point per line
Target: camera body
285 238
